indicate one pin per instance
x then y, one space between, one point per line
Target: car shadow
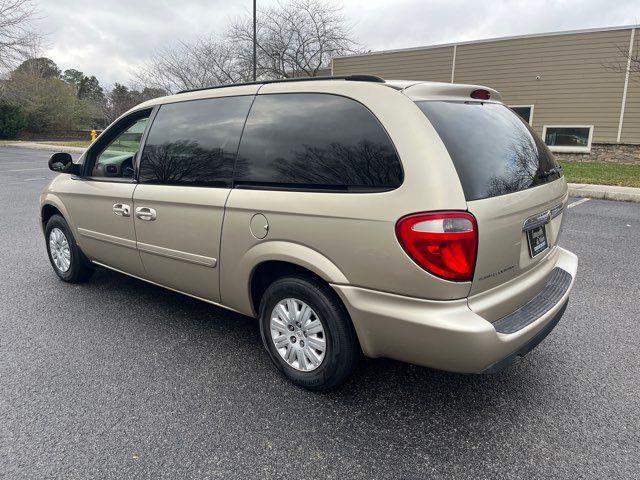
383 398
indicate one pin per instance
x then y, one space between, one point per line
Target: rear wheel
66 258
308 333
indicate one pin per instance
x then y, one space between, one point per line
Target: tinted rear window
315 141
493 150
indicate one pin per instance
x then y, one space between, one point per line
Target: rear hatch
512 185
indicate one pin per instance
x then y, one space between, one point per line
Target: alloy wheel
298 334
60 251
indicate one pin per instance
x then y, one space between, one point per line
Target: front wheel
308 333
66 258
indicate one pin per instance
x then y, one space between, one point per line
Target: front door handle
146 213
122 209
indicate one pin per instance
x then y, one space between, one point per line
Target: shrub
47 103
12 120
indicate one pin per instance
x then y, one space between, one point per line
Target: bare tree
17 38
294 38
203 63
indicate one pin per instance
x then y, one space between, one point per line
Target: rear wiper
552 171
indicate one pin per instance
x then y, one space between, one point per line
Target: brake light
443 243
481 94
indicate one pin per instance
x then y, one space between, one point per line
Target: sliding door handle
122 209
146 213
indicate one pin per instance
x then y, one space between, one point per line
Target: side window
311 140
194 143
116 160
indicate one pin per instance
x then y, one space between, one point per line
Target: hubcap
298 334
59 248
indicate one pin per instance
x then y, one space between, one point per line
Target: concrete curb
606 192
44 146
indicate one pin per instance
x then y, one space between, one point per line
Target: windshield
494 151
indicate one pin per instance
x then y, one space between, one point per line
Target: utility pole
255 59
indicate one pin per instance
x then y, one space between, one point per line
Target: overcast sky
109 38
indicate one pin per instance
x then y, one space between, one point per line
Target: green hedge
12 120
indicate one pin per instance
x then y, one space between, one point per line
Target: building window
525 111
568 138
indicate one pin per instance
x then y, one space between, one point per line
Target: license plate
537 238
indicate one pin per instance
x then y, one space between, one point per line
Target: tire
72 269
342 350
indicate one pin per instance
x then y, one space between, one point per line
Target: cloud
413 23
111 38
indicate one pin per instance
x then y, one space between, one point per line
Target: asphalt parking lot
121 379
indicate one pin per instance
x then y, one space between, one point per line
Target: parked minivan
351 215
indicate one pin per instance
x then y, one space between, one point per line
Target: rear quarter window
315 141
494 151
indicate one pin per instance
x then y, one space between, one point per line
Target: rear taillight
443 243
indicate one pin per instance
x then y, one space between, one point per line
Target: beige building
575 88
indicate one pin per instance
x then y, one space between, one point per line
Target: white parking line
578 202
22 180
24 169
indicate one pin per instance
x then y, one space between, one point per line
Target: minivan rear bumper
447 335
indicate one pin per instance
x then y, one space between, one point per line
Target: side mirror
62 162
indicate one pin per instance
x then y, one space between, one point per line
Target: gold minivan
351 215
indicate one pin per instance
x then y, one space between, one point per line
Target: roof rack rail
354 78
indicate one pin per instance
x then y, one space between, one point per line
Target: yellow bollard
94 134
